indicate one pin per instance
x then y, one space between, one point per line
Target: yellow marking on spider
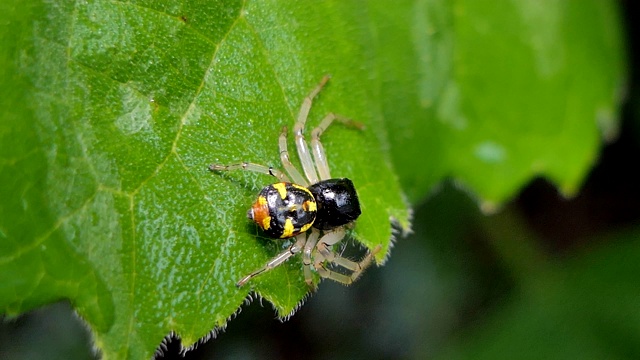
262 200
288 229
305 227
309 206
301 188
281 189
266 223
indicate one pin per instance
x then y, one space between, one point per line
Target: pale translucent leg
326 254
298 130
286 162
316 146
277 260
268 170
306 256
348 279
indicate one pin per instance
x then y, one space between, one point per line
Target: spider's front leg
286 161
326 254
319 156
298 130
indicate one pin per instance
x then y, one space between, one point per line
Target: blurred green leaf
584 308
112 110
493 93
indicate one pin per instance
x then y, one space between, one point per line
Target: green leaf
113 110
495 93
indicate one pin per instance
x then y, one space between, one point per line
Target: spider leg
286 162
326 254
348 279
298 129
306 256
316 146
268 170
277 260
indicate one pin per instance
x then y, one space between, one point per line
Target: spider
316 210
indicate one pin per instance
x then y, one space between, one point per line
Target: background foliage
112 109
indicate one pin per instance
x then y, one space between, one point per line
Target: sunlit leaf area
492 144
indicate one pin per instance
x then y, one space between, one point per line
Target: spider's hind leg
267 170
277 260
307 261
